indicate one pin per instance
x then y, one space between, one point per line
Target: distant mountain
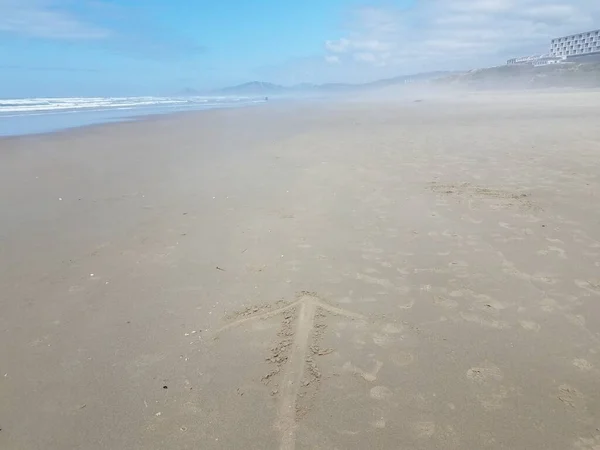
404 79
253 88
260 88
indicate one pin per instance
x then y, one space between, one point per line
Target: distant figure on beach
266 99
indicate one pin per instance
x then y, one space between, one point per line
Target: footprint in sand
389 335
494 400
583 364
402 359
383 340
484 322
487 303
593 287
570 396
548 305
445 302
367 376
381 393
587 443
392 328
530 325
423 430
576 319
379 424
485 373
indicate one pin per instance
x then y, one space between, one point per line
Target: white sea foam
35 106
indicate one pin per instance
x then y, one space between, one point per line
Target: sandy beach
376 274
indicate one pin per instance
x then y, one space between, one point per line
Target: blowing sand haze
350 275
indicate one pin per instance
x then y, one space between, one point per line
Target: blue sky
130 47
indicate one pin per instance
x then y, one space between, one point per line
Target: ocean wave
26 106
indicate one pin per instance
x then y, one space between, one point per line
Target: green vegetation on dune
527 77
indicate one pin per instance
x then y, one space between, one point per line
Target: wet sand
375 274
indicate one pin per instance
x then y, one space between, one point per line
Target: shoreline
402 97
107 120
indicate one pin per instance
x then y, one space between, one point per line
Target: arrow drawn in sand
306 310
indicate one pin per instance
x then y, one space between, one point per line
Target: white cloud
45 19
332 59
341 46
346 45
454 34
121 29
365 57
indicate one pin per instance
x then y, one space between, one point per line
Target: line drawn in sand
293 354
495 198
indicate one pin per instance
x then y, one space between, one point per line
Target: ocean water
40 115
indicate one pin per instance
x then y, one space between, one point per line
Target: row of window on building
585 37
577 44
565 47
